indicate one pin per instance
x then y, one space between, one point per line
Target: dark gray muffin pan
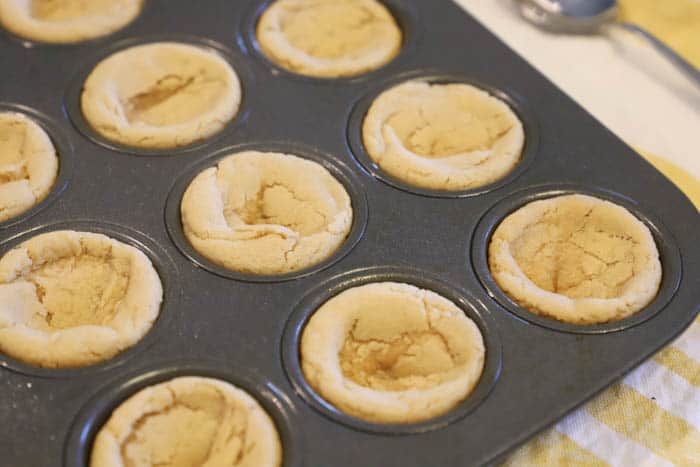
246 329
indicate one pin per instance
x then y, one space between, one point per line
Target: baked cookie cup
71 299
329 38
392 353
28 164
266 213
577 259
161 95
442 136
188 421
67 21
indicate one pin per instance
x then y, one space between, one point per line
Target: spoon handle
685 66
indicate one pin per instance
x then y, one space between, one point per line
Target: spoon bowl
569 16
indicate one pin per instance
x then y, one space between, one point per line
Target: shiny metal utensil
592 17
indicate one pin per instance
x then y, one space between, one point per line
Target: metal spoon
591 17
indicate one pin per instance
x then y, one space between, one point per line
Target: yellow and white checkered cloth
651 417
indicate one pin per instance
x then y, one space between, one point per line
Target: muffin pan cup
98 409
332 287
404 13
249 326
519 107
668 254
163 264
341 173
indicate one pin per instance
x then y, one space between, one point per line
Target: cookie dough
576 259
188 421
442 136
70 299
66 21
329 38
266 213
161 95
389 352
28 164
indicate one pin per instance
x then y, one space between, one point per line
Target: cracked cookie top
66 21
266 213
70 299
161 95
577 259
390 352
329 38
188 421
442 136
28 164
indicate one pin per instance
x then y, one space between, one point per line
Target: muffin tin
245 329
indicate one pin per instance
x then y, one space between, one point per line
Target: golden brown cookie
70 299
329 38
161 95
66 21
188 421
442 136
389 352
28 164
266 213
576 259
